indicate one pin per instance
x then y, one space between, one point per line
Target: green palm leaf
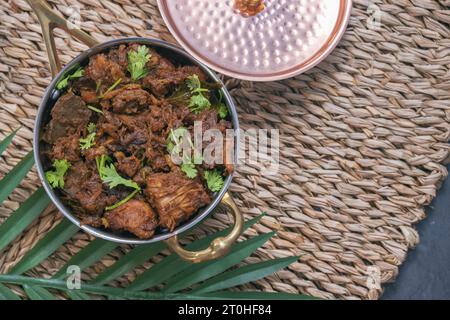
85 288
7 141
128 262
22 217
120 293
172 265
77 295
46 246
243 275
38 293
201 271
7 294
87 256
15 176
247 295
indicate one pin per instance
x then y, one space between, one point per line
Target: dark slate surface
426 272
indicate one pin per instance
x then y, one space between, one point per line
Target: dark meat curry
113 131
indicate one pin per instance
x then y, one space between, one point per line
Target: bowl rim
43 108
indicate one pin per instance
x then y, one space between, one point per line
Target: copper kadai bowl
49 19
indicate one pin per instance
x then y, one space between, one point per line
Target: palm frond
15 176
7 141
7 294
177 278
122 293
23 216
46 246
89 255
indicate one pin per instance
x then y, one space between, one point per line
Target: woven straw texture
363 140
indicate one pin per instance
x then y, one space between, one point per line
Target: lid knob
249 7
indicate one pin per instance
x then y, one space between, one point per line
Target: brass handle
219 246
49 19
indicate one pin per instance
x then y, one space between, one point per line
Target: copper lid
277 40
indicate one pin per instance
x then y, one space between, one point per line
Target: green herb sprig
111 88
111 177
78 73
94 109
89 141
214 180
189 169
198 101
56 177
137 61
221 107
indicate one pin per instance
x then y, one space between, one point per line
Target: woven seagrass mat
363 140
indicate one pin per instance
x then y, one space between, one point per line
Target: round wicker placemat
363 140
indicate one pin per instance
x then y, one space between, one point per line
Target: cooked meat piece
158 163
210 120
93 221
83 82
141 177
159 87
83 185
89 96
102 69
110 125
135 216
67 148
94 152
155 156
175 196
120 56
163 79
128 165
156 62
136 137
191 70
131 101
164 116
113 93
69 115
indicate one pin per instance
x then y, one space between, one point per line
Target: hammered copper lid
277 40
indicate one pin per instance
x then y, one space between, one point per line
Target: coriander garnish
56 177
137 61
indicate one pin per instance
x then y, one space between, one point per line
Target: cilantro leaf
110 176
56 177
65 80
222 110
137 61
189 169
214 180
89 141
193 83
91 127
198 102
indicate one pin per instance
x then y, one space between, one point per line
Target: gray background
426 272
